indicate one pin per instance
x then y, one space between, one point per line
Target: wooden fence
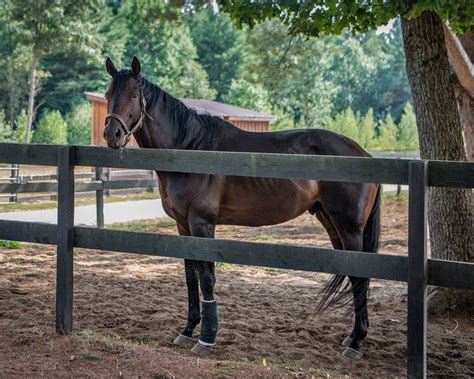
101 180
416 269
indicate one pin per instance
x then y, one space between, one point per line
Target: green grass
265 237
10 244
144 225
226 266
86 332
271 269
393 197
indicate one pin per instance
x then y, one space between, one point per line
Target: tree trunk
466 109
450 212
31 98
465 99
461 54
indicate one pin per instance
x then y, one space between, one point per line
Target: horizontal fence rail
80 186
416 268
295 257
284 166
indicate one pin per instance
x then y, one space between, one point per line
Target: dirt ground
129 308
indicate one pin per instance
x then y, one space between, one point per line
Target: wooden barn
245 119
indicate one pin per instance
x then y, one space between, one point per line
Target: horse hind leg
341 239
337 279
359 288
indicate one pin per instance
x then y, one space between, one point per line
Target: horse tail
335 293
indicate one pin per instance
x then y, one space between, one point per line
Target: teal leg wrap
209 323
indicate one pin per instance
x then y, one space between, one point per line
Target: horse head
125 104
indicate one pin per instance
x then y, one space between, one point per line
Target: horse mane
184 118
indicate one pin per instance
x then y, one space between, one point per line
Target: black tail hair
336 293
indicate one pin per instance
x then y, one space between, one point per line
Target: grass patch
144 225
226 266
265 237
391 197
10 244
86 332
271 269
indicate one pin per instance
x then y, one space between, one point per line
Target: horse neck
174 126
159 130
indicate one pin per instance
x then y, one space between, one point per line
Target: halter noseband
135 128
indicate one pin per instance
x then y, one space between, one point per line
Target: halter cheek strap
136 127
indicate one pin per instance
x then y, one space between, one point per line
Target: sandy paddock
128 308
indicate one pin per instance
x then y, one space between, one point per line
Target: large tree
42 25
439 129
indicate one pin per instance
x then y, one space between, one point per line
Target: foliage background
354 84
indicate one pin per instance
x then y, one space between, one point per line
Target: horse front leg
207 280
192 282
194 314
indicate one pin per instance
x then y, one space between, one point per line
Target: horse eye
135 95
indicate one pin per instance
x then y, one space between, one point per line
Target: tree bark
450 212
461 55
31 97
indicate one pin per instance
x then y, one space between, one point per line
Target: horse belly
265 201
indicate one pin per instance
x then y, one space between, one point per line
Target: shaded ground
128 309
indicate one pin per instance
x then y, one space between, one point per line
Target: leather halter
136 127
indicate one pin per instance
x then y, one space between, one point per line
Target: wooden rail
416 269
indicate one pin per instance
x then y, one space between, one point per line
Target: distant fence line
416 268
44 183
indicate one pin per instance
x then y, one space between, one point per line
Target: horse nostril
105 135
130 115
117 133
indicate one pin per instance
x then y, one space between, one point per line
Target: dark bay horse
348 211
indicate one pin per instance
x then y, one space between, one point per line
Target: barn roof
226 111
215 108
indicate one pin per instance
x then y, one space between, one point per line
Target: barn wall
251 126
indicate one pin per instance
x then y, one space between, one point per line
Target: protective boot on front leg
209 327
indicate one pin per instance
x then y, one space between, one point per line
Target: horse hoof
201 350
349 352
347 341
183 340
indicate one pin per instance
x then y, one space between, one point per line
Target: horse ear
110 67
135 66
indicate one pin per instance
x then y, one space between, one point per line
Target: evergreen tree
21 122
387 139
367 130
345 123
51 129
407 138
219 47
166 49
71 72
6 133
79 125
